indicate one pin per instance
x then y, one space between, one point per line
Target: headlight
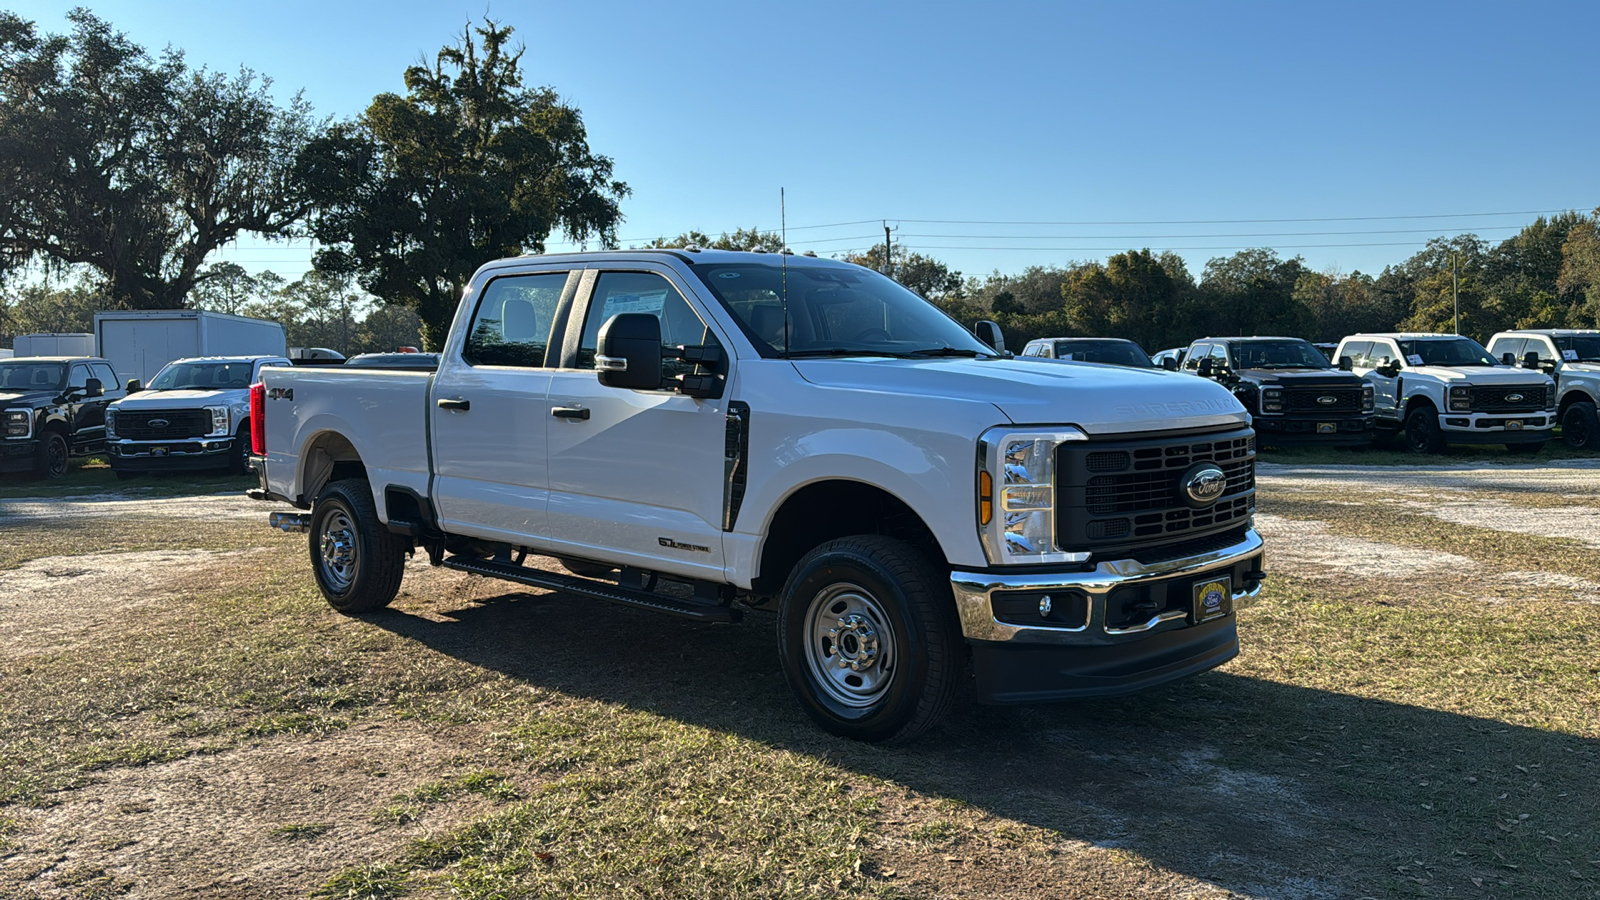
1367 397
1460 399
19 423
1550 396
1272 401
111 423
1017 496
221 421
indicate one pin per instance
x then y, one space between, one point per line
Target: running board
596 589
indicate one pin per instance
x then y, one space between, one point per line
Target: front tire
239 456
357 561
868 639
50 461
1422 431
1580 427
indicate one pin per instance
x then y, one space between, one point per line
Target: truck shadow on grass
1259 787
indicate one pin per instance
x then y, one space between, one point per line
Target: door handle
462 405
569 412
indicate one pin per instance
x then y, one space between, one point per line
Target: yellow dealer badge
1213 599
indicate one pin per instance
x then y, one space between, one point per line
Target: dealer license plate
1213 598
1327 428
1513 424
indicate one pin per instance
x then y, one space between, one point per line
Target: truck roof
692 255
53 359
1402 335
1249 337
1550 332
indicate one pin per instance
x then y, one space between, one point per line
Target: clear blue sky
1148 113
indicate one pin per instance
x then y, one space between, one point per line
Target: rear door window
511 326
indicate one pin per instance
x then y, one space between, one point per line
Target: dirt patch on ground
50 604
1310 550
231 505
1567 476
271 820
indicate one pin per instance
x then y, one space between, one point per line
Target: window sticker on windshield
1414 359
1569 355
650 303
727 274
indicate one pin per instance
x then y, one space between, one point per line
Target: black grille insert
1515 398
1322 399
162 424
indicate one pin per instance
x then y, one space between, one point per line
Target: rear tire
1580 427
357 561
868 639
239 456
1422 431
50 460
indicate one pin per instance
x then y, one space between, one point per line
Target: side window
1196 353
616 293
1219 354
511 326
1358 351
1033 350
1514 346
79 378
1542 347
1382 350
108 378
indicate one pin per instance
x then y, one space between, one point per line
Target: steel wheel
851 648
338 556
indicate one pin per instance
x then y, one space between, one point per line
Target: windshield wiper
944 351
839 351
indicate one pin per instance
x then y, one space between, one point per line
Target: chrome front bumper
975 593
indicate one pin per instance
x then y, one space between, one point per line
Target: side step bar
598 590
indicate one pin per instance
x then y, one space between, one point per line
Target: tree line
123 171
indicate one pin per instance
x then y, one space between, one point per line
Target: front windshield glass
24 376
203 376
834 311
1579 347
1283 354
1115 353
1454 351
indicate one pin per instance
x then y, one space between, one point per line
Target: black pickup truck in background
1295 395
53 408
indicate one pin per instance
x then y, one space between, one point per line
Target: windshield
203 376
1111 352
1455 351
1284 354
834 311
21 376
1579 347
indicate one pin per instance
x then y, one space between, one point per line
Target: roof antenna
783 238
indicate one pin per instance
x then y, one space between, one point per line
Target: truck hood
183 399
1580 368
1301 377
1100 399
27 398
1475 375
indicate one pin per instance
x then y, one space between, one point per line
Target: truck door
88 413
489 412
637 471
1386 399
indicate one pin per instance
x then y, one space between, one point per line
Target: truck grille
1345 400
162 424
1498 399
1123 494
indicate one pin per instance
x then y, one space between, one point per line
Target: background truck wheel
868 639
239 456
1422 431
51 458
357 561
1580 428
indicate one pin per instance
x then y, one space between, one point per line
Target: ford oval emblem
1513 398
1327 400
158 423
1202 484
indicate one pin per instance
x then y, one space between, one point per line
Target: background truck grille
162 424
1123 494
1308 400
1497 399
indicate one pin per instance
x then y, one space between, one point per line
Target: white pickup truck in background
1570 356
694 430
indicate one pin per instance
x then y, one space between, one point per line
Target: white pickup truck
1570 356
690 431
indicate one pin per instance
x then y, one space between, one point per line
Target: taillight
258 419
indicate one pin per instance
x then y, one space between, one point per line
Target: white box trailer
139 342
63 344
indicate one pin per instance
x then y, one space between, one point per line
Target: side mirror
1506 359
1530 360
1205 368
630 352
1170 364
989 332
1346 364
93 388
135 385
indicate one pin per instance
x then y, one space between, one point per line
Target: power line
1528 212
1146 237
1123 248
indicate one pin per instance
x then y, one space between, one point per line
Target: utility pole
888 259
1455 293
